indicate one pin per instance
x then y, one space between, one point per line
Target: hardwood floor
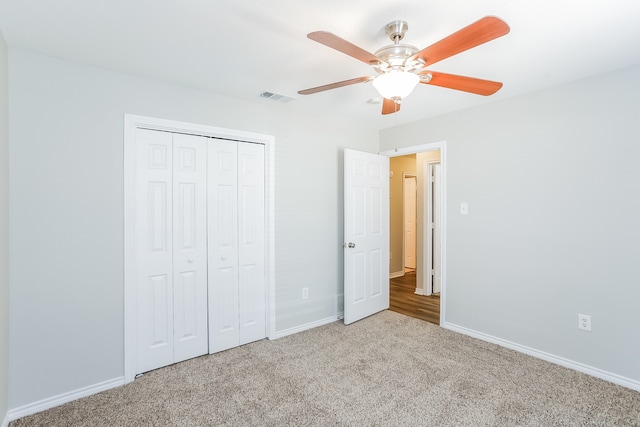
403 300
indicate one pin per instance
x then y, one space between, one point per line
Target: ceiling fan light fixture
396 84
401 67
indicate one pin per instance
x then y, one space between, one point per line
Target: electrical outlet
305 293
584 322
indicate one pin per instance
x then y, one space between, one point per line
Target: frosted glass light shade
396 84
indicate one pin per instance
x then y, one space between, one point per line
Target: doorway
417 291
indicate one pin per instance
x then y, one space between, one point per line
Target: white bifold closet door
170 248
237 285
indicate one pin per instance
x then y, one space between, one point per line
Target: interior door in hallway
409 213
366 234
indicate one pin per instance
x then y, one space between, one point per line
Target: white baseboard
396 274
52 402
305 327
420 291
558 360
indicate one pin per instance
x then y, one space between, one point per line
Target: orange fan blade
341 45
465 84
389 106
335 85
482 31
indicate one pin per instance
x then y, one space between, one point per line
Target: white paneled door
189 246
196 243
237 284
251 243
224 332
366 234
170 248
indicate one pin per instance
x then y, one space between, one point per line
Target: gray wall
66 139
553 184
4 229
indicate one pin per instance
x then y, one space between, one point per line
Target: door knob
190 260
351 245
224 258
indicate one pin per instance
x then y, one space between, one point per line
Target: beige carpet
386 370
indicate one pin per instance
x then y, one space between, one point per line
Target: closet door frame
133 122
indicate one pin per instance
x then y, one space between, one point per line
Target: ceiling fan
401 67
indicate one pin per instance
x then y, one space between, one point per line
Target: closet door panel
190 246
251 251
222 203
153 249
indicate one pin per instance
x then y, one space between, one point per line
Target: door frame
429 231
133 122
421 148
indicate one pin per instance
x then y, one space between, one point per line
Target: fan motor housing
396 54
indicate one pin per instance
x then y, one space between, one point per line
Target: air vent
275 97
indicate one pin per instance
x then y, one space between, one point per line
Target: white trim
270 261
129 248
427 237
5 422
131 123
304 327
432 146
411 150
558 360
420 291
396 274
52 402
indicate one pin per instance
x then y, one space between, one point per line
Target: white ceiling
241 48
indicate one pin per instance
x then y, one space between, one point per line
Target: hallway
404 300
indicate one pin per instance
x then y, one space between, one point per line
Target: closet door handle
224 258
190 260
